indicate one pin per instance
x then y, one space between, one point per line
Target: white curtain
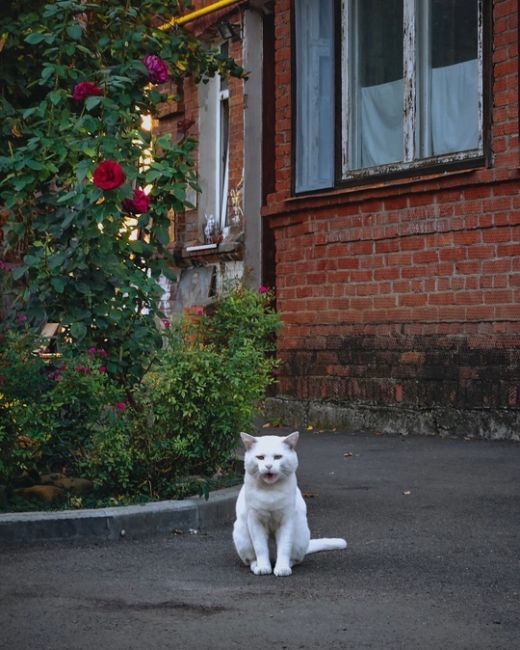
382 123
314 95
455 108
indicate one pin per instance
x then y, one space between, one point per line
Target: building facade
219 241
396 215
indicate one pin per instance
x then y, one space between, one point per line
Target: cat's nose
268 466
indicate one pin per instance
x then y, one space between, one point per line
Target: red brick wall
405 292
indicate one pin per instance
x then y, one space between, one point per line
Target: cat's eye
260 457
277 457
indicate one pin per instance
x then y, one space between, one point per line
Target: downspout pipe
187 18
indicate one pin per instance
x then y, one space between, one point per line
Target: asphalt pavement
433 562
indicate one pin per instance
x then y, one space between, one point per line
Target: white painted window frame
222 170
214 154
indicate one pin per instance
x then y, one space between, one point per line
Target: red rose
158 71
109 175
139 204
85 89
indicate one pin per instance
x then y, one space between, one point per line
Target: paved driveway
433 563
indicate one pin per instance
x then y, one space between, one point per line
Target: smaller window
214 155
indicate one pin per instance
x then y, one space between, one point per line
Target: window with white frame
410 90
214 153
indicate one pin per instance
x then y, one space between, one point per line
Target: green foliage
23 428
203 390
244 316
177 428
63 415
82 266
81 403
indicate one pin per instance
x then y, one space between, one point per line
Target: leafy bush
55 416
87 245
177 428
77 79
24 427
204 389
243 315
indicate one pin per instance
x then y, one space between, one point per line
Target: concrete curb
126 521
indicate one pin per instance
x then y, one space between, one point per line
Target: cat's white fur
270 505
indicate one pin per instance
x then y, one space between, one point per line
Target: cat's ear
248 440
292 439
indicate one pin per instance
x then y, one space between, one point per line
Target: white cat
270 504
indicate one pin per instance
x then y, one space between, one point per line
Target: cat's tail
326 544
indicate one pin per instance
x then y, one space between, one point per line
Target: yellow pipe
182 20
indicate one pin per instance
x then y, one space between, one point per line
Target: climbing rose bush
77 79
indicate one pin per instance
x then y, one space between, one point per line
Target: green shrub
24 426
80 401
204 390
243 315
168 436
57 415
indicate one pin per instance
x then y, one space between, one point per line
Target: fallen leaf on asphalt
267 425
407 493
308 495
348 454
310 428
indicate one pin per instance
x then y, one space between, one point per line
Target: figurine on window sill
209 229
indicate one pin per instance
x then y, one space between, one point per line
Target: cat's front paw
260 569
282 570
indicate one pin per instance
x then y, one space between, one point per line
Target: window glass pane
376 87
448 76
314 94
224 159
454 31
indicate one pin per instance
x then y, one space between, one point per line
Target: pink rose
109 175
121 406
139 204
102 370
158 71
263 289
85 89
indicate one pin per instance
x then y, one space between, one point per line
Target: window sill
370 188
202 254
